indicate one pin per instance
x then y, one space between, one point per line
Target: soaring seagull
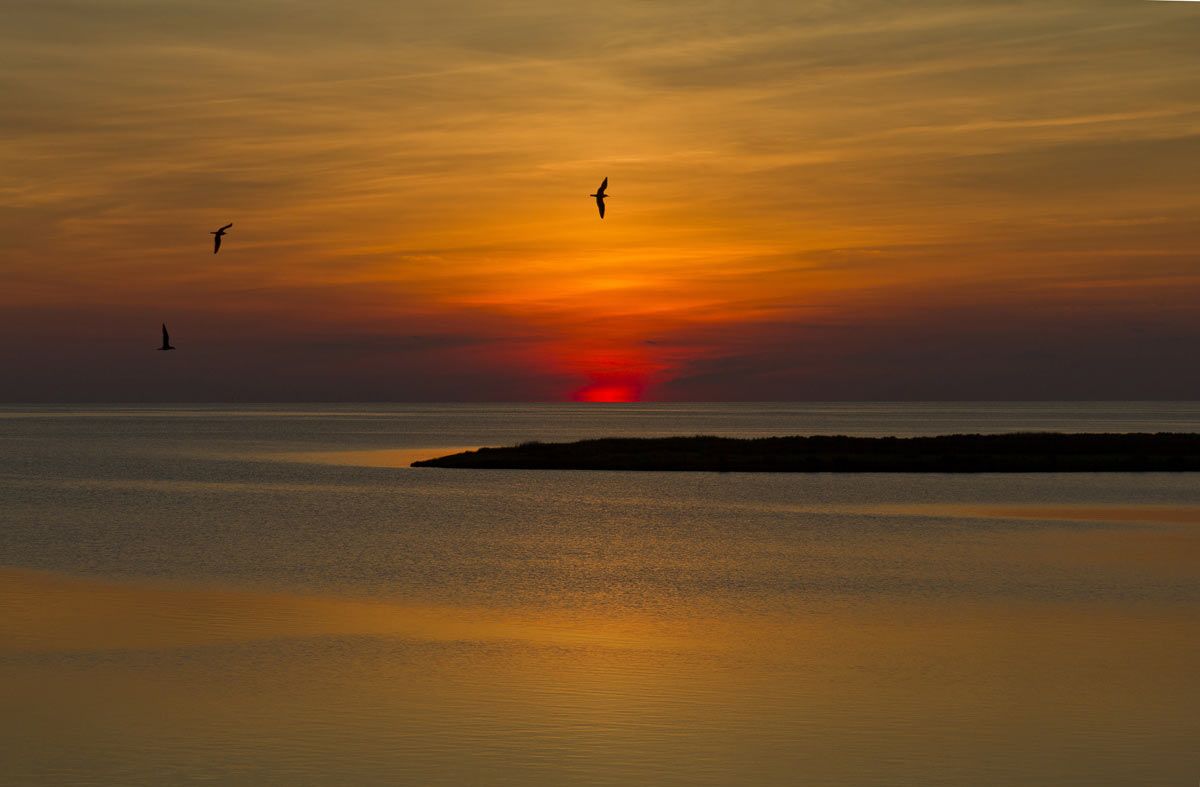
600 195
166 339
217 237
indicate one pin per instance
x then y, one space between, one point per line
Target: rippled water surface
268 595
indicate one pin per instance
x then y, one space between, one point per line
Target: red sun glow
608 392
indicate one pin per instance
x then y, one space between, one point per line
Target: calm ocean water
268 595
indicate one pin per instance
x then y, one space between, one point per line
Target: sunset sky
915 199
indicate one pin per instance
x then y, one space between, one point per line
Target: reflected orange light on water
546 697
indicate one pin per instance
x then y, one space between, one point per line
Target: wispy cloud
420 169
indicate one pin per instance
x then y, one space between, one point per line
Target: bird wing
166 336
227 226
216 243
600 204
603 186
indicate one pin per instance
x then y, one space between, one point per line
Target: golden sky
859 199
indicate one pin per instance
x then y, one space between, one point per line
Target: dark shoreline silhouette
1039 452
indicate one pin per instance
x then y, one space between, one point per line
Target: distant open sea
267 594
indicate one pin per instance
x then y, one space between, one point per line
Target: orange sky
858 200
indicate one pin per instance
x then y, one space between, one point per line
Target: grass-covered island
1040 452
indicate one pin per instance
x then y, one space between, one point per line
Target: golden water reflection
243 686
1175 514
369 457
49 612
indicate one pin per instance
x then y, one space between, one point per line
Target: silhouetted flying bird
166 339
217 237
600 195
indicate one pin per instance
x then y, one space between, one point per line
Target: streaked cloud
420 169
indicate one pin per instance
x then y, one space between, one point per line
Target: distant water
267 595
